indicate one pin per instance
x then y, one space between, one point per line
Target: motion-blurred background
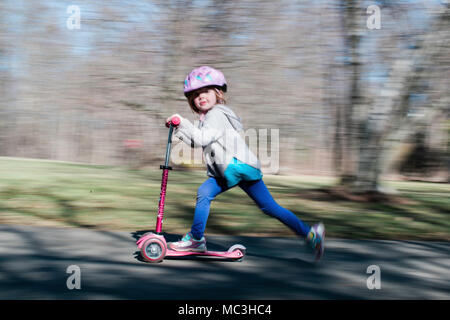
353 101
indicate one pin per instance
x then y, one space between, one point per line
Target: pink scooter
153 246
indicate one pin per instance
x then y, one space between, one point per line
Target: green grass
40 192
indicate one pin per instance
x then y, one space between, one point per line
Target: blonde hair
220 96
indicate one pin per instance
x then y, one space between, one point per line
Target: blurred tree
392 104
345 125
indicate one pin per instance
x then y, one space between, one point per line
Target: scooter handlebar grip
175 121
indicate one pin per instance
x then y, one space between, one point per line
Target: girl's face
205 99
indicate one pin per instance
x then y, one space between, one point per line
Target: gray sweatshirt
219 134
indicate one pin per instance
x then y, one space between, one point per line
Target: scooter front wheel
153 250
241 248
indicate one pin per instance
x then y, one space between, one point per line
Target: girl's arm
183 137
204 136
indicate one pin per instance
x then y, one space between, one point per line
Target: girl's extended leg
205 194
258 191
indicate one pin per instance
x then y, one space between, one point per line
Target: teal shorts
238 171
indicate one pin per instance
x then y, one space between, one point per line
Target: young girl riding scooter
229 161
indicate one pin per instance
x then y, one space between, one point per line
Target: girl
229 161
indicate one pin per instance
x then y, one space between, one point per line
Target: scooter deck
237 254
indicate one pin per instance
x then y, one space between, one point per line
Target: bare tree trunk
349 142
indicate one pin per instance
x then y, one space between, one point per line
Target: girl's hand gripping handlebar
173 120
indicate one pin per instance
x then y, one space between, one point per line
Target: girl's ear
219 94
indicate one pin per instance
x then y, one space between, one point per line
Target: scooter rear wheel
153 250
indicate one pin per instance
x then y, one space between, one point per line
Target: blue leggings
257 190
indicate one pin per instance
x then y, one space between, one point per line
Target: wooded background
349 101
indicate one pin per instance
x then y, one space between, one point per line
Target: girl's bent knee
204 195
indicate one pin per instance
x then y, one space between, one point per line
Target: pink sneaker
316 240
188 243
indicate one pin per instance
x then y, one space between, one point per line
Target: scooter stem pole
169 145
165 178
162 198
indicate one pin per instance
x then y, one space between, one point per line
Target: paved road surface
34 261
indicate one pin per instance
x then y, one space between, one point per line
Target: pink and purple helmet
203 77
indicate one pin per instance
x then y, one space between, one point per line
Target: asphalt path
34 264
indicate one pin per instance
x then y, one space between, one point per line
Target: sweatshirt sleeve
196 137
